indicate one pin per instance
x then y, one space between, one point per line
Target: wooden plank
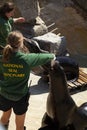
71 84
54 30
80 81
83 70
83 78
83 74
51 25
77 83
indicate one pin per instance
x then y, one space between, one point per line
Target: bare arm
19 20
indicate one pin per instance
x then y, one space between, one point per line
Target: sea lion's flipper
46 120
47 123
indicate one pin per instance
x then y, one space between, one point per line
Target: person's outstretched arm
19 20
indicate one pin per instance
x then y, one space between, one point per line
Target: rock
52 43
35 27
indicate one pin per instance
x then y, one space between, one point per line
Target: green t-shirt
5 29
17 71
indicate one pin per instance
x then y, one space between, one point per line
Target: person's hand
19 20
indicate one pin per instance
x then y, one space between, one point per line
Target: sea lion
80 117
62 112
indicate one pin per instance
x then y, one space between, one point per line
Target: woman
6 21
16 67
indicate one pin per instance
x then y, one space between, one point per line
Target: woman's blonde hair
15 39
14 43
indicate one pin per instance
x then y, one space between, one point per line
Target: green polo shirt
5 29
17 71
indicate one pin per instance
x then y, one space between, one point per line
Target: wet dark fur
62 113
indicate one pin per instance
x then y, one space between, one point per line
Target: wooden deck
80 84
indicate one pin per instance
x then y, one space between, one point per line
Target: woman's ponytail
7 52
